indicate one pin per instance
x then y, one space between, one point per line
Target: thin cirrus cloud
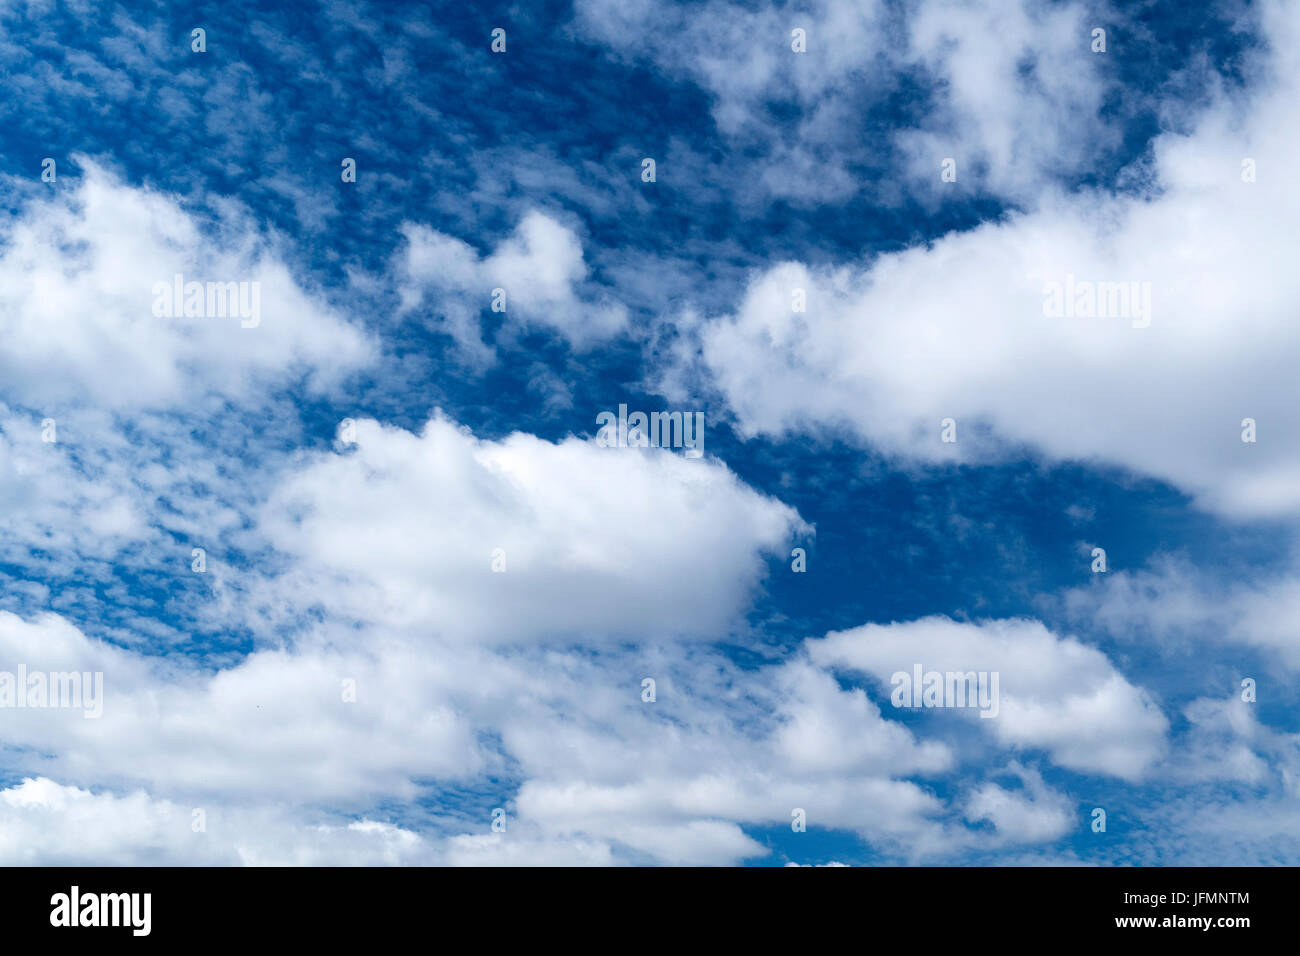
1013 89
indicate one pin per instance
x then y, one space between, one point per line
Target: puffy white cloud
959 328
277 724
540 268
589 772
1054 693
79 264
827 729
602 542
46 823
602 775
1034 813
598 524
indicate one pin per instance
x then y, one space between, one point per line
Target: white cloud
275 725
470 682
1182 608
1034 813
597 524
1210 827
957 328
1021 94
492 849
601 773
46 823
827 729
78 268
1016 91
540 267
1225 741
1055 693
600 542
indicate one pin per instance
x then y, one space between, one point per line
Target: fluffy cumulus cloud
274 725
537 275
1031 813
50 824
699 763
346 716
603 774
1054 693
1138 331
88 313
492 540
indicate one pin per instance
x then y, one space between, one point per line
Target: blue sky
348 679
